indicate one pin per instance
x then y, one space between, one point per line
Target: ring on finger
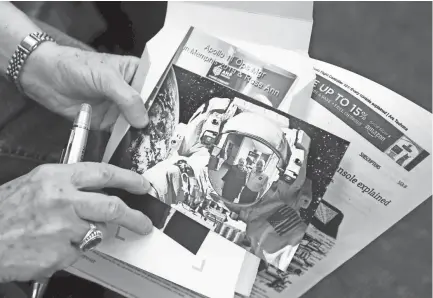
92 239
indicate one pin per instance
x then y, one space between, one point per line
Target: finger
72 257
89 175
109 209
129 66
43 276
110 118
130 104
75 228
124 96
65 255
78 229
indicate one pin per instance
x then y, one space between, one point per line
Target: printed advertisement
385 173
220 153
379 128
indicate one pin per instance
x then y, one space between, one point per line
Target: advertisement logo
217 70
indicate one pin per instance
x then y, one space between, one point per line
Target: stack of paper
246 133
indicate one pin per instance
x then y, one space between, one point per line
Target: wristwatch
23 51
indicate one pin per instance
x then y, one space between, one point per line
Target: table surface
391 44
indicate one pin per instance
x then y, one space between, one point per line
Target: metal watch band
24 49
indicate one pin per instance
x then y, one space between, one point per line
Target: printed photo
318 241
248 172
404 151
222 158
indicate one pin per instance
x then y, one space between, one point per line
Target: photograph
404 151
230 164
318 241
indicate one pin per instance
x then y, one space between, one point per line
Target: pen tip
84 116
86 108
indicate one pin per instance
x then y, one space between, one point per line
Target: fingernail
148 227
148 232
146 118
139 113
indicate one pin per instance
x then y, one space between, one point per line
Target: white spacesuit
198 160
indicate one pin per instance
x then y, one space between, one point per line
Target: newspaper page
232 174
133 282
385 174
374 184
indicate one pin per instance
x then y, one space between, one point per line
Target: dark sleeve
244 176
228 174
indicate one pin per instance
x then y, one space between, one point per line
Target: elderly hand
44 213
62 78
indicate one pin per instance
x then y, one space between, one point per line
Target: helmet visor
242 168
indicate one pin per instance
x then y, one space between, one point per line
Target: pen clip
39 287
67 149
62 156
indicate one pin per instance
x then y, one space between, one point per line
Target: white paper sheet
283 24
160 51
262 22
400 190
376 185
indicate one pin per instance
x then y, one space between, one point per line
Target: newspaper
232 175
376 183
385 174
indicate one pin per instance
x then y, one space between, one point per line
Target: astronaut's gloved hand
234 215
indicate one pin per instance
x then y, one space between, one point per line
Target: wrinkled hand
44 213
62 78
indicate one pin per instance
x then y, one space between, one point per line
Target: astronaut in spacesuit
193 169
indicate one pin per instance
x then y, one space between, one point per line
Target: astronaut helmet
268 153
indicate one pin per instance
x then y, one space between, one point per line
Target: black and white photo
229 159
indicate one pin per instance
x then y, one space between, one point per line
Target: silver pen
76 147
73 153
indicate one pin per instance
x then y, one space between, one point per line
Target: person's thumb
127 99
129 102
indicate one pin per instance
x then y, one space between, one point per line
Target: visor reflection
241 169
